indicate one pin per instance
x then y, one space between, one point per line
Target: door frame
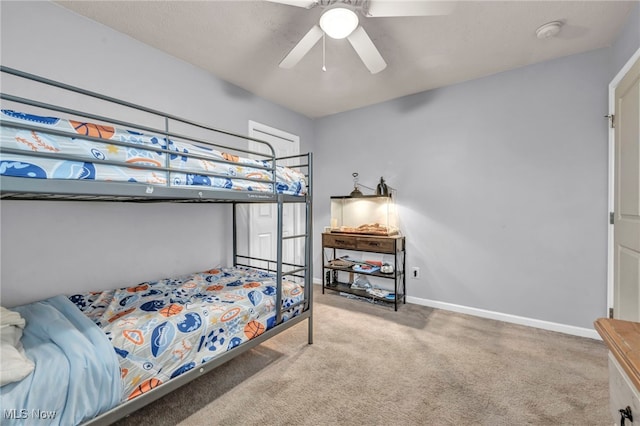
263 128
611 184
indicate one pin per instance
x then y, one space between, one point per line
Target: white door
626 227
263 217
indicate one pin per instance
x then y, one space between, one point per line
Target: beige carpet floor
370 365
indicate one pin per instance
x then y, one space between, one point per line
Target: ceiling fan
340 20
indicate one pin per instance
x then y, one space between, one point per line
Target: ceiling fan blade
307 4
302 48
367 51
390 8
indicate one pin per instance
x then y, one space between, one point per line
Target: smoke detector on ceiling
549 30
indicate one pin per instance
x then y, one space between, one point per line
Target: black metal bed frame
20 188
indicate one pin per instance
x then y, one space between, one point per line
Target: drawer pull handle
625 414
341 242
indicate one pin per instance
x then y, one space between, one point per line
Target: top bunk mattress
43 147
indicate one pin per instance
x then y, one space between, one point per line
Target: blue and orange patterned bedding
131 340
161 329
188 163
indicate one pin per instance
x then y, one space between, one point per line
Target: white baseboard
514 319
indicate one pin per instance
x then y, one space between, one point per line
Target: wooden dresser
391 245
623 340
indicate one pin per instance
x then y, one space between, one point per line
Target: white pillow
15 365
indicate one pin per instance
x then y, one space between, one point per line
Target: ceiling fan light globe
339 22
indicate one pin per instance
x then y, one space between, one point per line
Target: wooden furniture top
363 235
623 340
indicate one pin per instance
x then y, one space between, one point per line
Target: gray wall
51 248
502 186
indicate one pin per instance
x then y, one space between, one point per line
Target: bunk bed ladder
306 269
307 266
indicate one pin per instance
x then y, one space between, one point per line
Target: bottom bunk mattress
153 332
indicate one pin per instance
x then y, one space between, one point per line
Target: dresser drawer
383 245
622 392
339 241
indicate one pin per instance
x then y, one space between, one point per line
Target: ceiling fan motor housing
361 5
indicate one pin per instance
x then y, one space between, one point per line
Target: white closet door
263 217
627 197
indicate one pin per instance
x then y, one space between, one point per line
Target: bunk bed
140 342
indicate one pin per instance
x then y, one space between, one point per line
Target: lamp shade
338 22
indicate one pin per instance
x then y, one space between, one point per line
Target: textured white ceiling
242 42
